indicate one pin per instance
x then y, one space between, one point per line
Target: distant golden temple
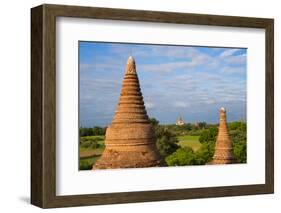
180 121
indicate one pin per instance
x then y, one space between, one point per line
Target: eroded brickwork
130 141
223 150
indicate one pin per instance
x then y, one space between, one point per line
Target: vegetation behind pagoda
177 153
92 131
189 144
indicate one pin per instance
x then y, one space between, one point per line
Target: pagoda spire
130 139
223 149
131 66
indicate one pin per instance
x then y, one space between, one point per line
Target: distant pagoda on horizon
180 121
130 139
223 149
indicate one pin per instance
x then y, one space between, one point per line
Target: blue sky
188 81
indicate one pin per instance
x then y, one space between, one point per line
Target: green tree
96 130
238 134
166 141
154 122
208 135
181 157
202 125
240 152
84 131
205 153
99 130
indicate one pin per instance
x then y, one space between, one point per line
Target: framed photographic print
136 106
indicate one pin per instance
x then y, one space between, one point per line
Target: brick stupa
223 150
130 140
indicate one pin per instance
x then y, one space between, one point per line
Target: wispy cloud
238 59
149 105
231 58
228 52
233 70
181 104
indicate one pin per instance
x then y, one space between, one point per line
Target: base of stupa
129 157
222 161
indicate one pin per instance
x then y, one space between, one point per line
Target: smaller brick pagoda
223 150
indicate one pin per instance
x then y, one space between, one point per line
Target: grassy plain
87 154
189 141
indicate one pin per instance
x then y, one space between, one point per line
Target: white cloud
227 53
229 57
236 60
169 67
181 104
190 60
149 105
211 101
234 70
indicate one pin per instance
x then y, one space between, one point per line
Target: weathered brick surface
130 139
223 150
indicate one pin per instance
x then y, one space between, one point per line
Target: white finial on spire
131 66
131 59
222 109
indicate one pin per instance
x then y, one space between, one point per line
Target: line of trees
92 131
188 128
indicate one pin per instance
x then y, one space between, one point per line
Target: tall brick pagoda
130 140
223 150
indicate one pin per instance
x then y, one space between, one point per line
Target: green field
86 152
99 138
86 163
89 152
89 155
189 141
